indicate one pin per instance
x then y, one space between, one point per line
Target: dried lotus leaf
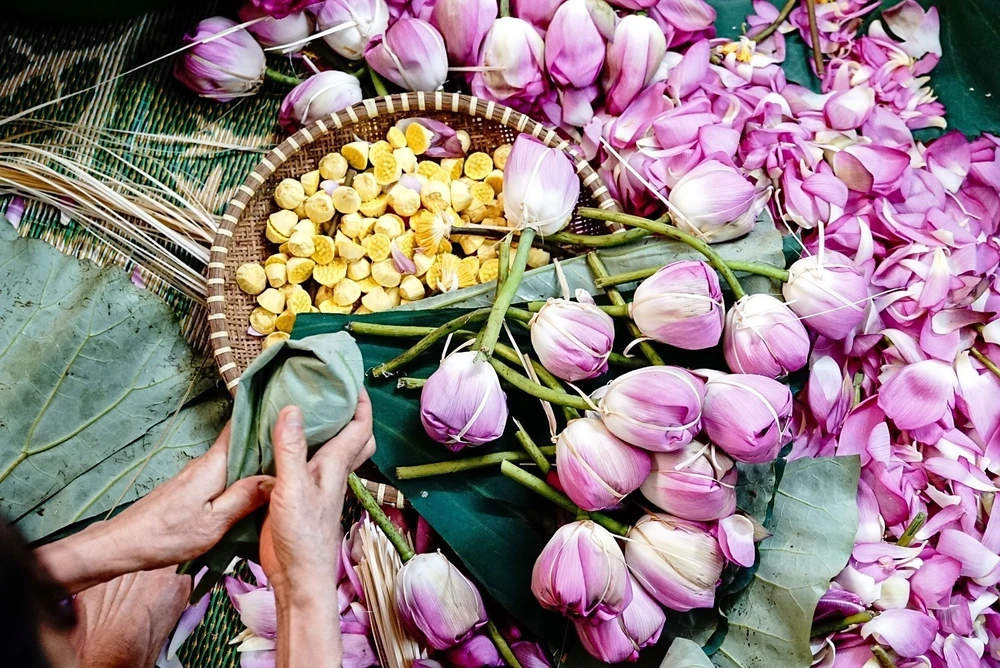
251 279
262 320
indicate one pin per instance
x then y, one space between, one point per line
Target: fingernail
293 419
267 486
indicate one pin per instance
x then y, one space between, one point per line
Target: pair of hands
187 515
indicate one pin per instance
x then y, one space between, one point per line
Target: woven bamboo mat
44 61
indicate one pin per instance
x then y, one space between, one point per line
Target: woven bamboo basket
241 235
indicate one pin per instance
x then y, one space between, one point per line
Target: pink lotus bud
515 57
656 408
370 18
536 12
317 97
829 292
540 186
763 336
574 43
225 68
694 483
620 639
276 32
572 339
680 305
464 24
436 599
462 403
849 109
444 141
476 652
596 469
411 54
678 562
634 54
684 21
581 572
747 415
714 202
279 9
635 5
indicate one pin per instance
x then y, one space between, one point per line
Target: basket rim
365 110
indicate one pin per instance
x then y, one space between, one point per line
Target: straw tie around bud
676 561
620 639
369 18
680 305
656 408
434 598
581 572
411 54
747 415
513 62
715 202
462 404
318 96
596 469
573 340
694 483
293 27
225 68
763 336
540 186
829 292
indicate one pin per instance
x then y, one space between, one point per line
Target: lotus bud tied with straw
350 24
620 639
747 415
411 54
634 54
763 336
229 66
581 572
318 96
435 599
657 408
680 305
293 28
512 59
573 339
714 202
596 469
462 404
694 483
678 562
464 24
829 292
540 187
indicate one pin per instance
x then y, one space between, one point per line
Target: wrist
308 629
86 558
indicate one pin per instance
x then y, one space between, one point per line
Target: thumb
290 446
243 497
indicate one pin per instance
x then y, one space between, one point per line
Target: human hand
300 539
124 622
178 521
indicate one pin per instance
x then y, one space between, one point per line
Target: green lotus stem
832 626
859 378
600 271
519 314
369 503
567 238
529 386
505 295
544 375
388 331
986 361
423 344
542 488
759 268
466 463
618 311
911 531
377 83
406 383
504 8
883 657
503 257
494 633
672 232
533 450
278 77
814 37
782 15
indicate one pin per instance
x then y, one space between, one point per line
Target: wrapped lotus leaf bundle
322 374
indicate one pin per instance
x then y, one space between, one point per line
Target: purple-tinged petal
977 561
258 612
689 74
736 540
188 622
258 573
908 632
959 653
358 651
837 604
235 588
15 211
918 395
261 659
959 472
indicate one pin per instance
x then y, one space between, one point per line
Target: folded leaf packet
320 374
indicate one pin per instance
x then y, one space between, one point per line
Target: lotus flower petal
918 395
908 632
736 540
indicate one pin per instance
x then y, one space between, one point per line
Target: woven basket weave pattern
241 236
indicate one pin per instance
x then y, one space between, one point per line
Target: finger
363 413
290 447
242 498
